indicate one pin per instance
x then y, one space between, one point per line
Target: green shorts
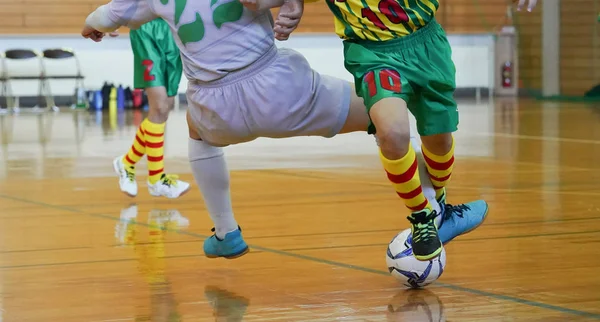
155 57
417 68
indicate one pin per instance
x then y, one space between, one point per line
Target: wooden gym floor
318 214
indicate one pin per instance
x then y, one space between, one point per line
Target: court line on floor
507 298
322 176
200 237
532 137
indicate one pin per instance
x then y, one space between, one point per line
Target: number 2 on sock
389 79
148 65
391 9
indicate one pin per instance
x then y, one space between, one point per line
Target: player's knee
164 105
393 141
438 144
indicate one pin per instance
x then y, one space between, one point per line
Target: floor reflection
227 306
150 254
416 305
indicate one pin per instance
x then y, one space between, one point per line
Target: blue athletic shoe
460 219
230 247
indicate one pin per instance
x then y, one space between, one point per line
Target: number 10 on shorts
388 79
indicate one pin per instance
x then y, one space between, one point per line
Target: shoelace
459 210
169 179
130 175
425 226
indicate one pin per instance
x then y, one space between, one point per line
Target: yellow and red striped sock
404 175
439 169
137 150
155 137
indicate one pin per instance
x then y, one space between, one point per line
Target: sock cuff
200 150
155 128
439 158
401 165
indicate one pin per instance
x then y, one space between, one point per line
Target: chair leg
40 94
3 108
50 103
6 128
10 99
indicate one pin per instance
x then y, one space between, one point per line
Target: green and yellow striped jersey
381 20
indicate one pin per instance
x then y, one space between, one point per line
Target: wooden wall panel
529 26
44 16
580 46
39 16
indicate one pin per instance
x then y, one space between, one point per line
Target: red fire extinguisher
507 74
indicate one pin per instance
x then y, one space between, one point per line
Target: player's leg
154 132
210 172
426 184
437 118
358 119
390 118
385 92
159 182
124 165
162 84
145 61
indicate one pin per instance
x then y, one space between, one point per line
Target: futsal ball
403 265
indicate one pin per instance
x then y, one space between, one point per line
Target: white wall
112 59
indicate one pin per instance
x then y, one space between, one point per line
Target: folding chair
60 54
7 91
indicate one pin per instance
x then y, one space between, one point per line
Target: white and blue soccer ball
403 265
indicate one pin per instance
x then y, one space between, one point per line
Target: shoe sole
116 168
487 209
234 256
430 256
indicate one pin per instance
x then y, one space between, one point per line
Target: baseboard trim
31 101
60 100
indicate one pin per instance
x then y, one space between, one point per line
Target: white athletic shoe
168 186
125 228
127 181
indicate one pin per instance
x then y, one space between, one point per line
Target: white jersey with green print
215 37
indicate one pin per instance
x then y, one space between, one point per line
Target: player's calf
438 153
210 171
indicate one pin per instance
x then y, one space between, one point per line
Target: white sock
211 174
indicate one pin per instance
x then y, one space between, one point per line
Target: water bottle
112 100
120 98
137 98
80 98
98 100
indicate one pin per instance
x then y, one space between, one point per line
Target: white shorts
278 96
